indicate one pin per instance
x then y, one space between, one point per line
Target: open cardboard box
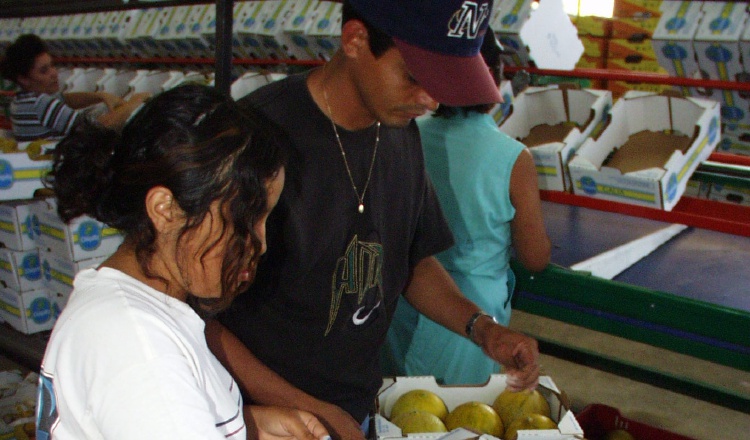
649 116
553 121
393 388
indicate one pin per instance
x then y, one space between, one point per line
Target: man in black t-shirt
358 222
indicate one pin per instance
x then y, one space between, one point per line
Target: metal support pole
223 70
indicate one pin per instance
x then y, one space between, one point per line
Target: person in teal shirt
487 186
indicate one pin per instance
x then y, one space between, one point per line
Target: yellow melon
418 421
510 405
419 400
531 421
476 416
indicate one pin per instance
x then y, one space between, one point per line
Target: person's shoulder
275 91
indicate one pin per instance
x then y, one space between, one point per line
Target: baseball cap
439 41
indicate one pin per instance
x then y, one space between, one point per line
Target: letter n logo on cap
467 20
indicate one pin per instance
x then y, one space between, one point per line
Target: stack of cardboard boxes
277 29
40 257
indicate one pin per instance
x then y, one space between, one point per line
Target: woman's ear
162 209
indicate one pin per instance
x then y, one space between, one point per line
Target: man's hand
516 352
110 100
340 423
276 423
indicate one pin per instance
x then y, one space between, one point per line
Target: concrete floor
652 405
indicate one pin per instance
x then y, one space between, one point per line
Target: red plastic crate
596 419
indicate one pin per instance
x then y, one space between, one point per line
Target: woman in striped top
40 109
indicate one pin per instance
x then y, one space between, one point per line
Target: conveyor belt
700 264
691 295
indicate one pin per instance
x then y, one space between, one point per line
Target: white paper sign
551 37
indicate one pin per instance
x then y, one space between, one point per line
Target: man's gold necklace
360 198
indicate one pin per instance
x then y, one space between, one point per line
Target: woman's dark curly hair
192 140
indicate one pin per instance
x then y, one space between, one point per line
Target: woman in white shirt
189 182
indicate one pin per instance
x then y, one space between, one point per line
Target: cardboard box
594 47
16 224
619 88
21 270
299 42
628 48
171 33
81 239
393 388
54 25
745 49
637 8
84 79
717 40
325 31
553 122
58 274
593 25
66 40
119 25
208 29
248 21
192 37
509 17
636 64
9 31
20 175
141 33
717 47
734 143
673 39
153 81
634 27
501 110
80 33
729 194
180 34
28 312
643 113
696 189
116 81
273 15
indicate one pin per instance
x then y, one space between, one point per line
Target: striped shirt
39 115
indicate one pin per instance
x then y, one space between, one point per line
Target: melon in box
649 150
553 122
568 427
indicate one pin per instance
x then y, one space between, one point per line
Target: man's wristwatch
473 320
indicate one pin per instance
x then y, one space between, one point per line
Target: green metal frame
706 331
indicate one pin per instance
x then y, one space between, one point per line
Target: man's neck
337 97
